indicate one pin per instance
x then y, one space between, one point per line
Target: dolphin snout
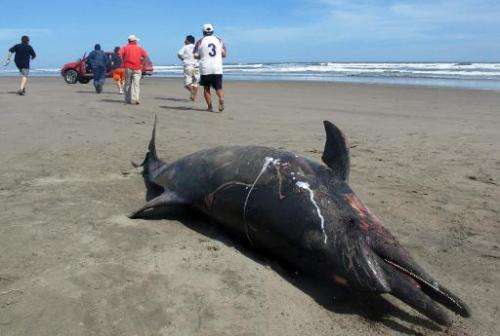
396 270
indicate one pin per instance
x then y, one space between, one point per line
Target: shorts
191 76
119 74
213 80
24 71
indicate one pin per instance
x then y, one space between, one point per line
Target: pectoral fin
167 198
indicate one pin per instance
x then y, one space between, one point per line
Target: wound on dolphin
306 186
300 212
267 161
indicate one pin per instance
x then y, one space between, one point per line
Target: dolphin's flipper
167 198
336 152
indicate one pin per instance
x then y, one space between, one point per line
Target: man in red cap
133 57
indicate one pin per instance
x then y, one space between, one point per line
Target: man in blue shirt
99 62
24 54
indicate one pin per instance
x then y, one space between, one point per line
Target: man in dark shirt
99 63
24 54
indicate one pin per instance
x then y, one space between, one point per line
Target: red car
77 71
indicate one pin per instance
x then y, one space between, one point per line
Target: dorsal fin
336 152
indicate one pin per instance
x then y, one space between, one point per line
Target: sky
262 31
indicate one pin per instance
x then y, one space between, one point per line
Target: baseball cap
133 38
208 28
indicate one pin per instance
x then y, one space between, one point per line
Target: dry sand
426 160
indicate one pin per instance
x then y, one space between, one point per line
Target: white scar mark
306 186
267 162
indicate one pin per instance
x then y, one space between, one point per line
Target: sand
426 160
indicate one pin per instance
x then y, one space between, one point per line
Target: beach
426 160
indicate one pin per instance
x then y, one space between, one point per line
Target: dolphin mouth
445 296
422 293
401 276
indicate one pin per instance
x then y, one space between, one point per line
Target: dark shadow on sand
106 100
185 108
104 92
179 100
337 299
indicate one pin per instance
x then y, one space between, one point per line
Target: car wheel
71 76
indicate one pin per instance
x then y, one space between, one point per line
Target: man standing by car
99 63
191 71
24 54
133 57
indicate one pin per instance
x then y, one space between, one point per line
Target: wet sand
426 160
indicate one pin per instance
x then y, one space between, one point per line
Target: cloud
417 21
266 34
449 11
411 20
7 34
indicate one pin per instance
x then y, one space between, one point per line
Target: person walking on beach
24 54
118 70
133 57
98 62
210 50
191 70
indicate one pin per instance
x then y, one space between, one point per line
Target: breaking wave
461 74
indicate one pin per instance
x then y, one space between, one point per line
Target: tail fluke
152 166
151 154
152 143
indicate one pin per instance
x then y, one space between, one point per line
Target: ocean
484 76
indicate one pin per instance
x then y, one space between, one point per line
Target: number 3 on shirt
213 49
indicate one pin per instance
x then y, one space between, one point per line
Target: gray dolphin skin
300 212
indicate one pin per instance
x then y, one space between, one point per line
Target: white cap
133 38
208 28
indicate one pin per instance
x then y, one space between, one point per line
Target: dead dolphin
298 211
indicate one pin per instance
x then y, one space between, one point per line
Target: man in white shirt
210 50
191 71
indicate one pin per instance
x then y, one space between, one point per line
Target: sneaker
21 92
221 106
